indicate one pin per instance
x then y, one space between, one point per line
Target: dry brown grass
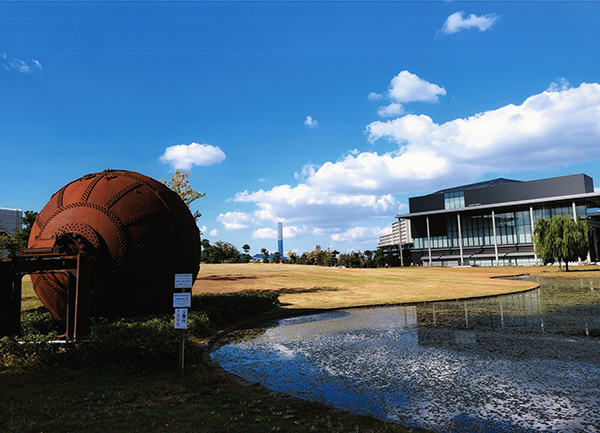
317 287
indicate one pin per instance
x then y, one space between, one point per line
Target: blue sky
326 116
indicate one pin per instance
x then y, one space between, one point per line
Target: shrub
149 341
230 307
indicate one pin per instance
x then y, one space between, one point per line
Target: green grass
29 299
120 397
120 400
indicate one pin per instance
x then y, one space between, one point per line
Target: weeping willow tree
561 238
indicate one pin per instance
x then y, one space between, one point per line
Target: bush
40 321
230 307
143 342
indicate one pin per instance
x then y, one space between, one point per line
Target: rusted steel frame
78 270
10 299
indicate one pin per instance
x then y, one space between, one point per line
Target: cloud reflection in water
486 365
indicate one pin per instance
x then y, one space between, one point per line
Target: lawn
122 398
314 287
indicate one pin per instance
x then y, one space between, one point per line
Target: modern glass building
10 220
491 223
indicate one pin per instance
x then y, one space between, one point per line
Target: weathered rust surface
139 232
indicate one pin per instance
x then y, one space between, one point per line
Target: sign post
181 302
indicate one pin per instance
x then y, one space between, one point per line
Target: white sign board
182 300
183 281
181 318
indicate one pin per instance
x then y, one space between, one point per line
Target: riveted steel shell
139 231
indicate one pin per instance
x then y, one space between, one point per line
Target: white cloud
456 22
552 128
22 66
264 233
361 234
560 85
289 232
393 109
236 220
318 205
183 157
407 87
311 123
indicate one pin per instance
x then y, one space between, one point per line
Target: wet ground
518 363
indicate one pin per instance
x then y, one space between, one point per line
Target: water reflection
520 363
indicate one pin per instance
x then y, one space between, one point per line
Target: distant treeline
225 252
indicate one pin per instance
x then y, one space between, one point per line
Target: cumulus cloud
318 205
311 123
214 232
289 232
456 22
22 66
558 126
407 87
393 109
236 220
184 157
559 85
361 234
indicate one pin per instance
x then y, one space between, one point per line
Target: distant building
491 223
10 220
400 237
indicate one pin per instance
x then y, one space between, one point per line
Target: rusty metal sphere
139 232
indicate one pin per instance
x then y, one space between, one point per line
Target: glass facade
454 200
512 228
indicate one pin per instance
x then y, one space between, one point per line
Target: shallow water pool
520 363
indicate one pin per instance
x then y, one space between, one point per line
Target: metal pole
495 238
429 241
460 242
400 232
181 350
535 257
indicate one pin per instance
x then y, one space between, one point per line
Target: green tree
350 260
561 238
227 252
209 254
180 184
265 254
303 260
293 257
19 238
246 257
276 257
332 258
378 258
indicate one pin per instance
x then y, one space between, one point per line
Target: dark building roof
484 184
505 192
